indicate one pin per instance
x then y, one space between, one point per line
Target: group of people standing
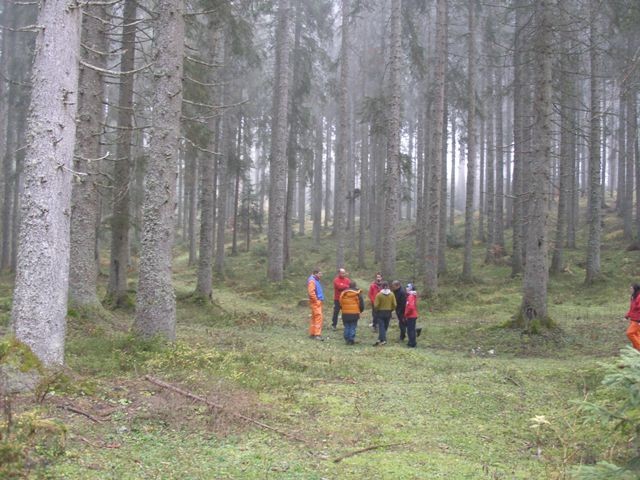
348 299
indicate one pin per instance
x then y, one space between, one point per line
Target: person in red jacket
340 284
411 315
374 289
633 315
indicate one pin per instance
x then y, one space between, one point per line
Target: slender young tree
278 158
156 305
41 285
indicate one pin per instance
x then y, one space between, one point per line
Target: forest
174 172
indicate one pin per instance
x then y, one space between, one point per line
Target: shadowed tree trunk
156 305
595 138
117 287
204 285
83 269
41 285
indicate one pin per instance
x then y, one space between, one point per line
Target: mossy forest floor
473 401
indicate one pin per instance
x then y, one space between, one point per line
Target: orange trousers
316 318
633 334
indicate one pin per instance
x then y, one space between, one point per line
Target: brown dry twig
80 412
368 449
193 396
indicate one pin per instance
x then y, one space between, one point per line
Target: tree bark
389 238
42 275
435 183
342 150
83 269
536 272
316 188
156 305
278 160
471 145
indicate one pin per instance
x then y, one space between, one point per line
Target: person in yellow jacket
384 304
352 305
316 297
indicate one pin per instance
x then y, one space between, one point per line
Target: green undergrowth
475 400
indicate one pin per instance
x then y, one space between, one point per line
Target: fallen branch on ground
193 396
368 449
80 412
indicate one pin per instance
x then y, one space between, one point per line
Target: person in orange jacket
633 315
316 297
340 284
352 305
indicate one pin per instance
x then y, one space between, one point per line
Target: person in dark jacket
633 315
385 303
401 300
352 305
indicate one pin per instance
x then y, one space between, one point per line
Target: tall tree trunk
595 138
277 185
499 198
342 150
224 176
490 158
204 285
83 272
471 145
518 141
327 181
435 184
622 142
9 98
156 305
452 194
557 261
41 285
536 272
393 145
316 188
191 188
117 287
364 194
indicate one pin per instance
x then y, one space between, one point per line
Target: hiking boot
334 328
379 343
